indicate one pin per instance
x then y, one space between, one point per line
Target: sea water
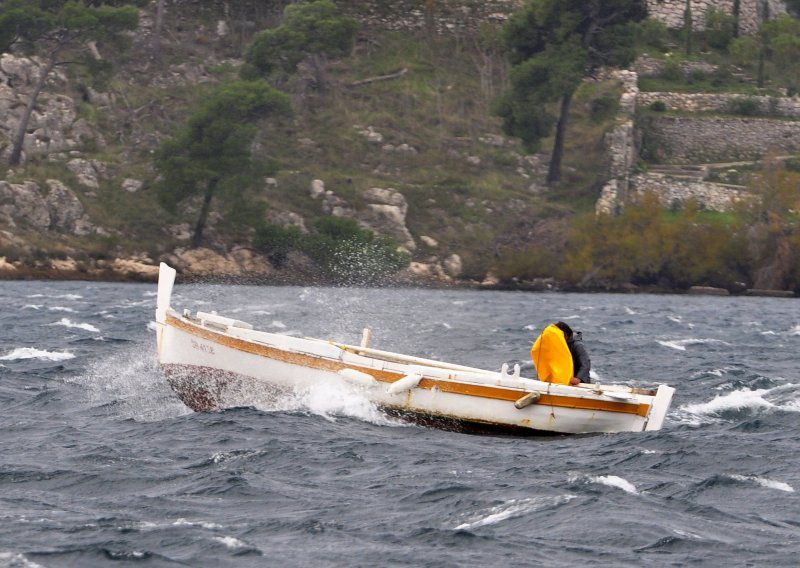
101 464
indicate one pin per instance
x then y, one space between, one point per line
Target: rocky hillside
400 137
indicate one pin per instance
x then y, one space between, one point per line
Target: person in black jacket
581 364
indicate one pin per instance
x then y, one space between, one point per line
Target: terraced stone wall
688 140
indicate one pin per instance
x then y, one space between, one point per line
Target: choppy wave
682 344
76 325
510 509
33 353
615 481
764 482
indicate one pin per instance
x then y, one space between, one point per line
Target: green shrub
744 106
658 106
603 107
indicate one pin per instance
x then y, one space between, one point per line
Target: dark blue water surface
100 464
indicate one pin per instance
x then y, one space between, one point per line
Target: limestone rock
249 262
453 266
132 185
135 268
6 266
65 207
317 188
23 202
206 262
64 265
385 213
429 241
286 219
490 280
87 171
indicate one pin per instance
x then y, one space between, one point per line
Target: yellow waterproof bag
551 356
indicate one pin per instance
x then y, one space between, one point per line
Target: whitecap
150 294
676 319
530 327
630 311
768 332
230 542
736 400
17 560
615 481
681 344
151 325
70 296
35 296
73 325
764 482
32 306
446 325
61 309
795 330
511 508
278 324
32 353
184 523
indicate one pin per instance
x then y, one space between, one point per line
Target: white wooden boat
214 362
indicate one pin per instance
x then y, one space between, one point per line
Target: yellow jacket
551 356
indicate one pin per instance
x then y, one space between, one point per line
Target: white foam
530 327
73 325
510 509
676 319
230 542
70 296
736 400
151 325
32 306
681 344
202 524
446 325
33 353
35 296
338 398
795 330
278 324
129 383
615 481
630 311
764 482
61 309
12 559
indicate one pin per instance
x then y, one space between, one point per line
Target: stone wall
439 15
751 12
676 192
683 140
723 103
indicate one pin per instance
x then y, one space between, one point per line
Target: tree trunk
197 238
156 45
19 139
688 24
554 171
